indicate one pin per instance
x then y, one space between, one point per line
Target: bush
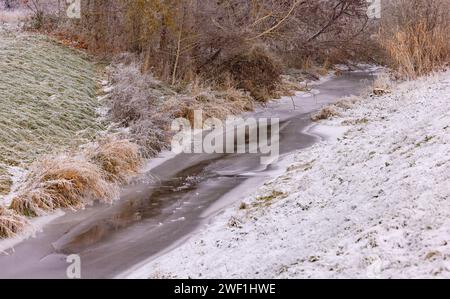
325 113
10 223
119 159
382 84
74 181
256 72
416 36
147 106
61 182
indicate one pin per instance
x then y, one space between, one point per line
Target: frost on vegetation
147 106
71 181
10 223
48 106
61 182
325 113
336 109
47 100
382 84
119 159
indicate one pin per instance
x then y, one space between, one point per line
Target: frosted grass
47 100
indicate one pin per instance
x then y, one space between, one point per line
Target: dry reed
119 159
62 182
10 223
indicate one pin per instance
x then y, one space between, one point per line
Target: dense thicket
415 35
181 39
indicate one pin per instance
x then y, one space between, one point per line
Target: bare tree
181 38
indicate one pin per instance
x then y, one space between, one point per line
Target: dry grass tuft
416 38
382 84
218 102
61 182
5 181
326 113
10 223
417 51
119 159
347 102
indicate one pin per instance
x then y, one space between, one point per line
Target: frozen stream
152 218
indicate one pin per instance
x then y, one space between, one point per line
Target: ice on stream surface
372 202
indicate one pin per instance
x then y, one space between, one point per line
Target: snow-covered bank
373 203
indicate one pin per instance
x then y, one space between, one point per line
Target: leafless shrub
176 46
44 13
135 103
147 106
9 4
255 71
135 93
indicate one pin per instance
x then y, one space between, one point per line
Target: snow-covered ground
374 202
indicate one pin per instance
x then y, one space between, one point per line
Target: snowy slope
373 203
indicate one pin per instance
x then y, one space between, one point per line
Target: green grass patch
47 100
